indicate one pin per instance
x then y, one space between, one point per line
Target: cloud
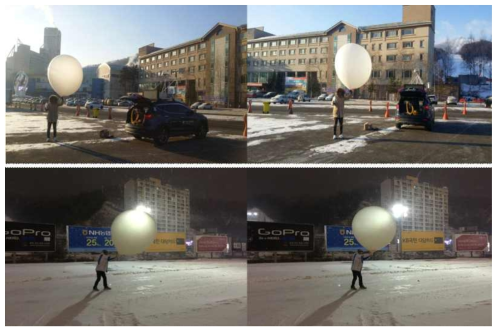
47 11
479 28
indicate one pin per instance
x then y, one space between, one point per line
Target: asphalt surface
306 136
79 140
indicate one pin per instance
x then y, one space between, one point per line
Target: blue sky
451 21
94 34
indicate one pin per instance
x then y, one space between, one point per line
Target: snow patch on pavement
259 127
49 145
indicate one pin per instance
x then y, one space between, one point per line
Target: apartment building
428 206
213 67
306 60
170 206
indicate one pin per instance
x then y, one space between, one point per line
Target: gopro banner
270 236
29 237
89 239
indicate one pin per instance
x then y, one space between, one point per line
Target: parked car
322 97
94 104
414 108
270 94
205 106
125 103
330 97
451 100
259 94
488 102
306 98
195 105
282 99
433 99
163 119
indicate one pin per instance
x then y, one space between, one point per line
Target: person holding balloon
52 109
101 269
338 111
356 268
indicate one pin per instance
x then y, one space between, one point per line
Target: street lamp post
400 212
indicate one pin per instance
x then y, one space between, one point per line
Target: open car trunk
141 106
411 103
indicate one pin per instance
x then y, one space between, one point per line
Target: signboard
341 238
168 242
237 246
207 243
469 242
89 239
271 236
422 241
29 237
295 83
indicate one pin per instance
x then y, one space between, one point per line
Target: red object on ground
387 113
464 108
245 126
211 243
471 242
290 106
370 105
445 116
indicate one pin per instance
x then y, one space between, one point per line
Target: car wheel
162 137
398 125
202 132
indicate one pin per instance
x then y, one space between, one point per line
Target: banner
422 241
469 242
29 237
89 239
208 243
341 238
271 236
168 242
295 83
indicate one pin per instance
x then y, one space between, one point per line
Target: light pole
400 212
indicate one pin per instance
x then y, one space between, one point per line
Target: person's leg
360 281
98 279
340 126
48 129
335 125
105 280
54 124
354 279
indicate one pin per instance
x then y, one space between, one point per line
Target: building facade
306 61
212 67
170 206
110 75
428 206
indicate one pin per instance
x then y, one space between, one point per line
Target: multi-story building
51 43
110 76
428 206
306 60
170 206
213 67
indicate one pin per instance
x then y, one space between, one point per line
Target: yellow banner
169 242
423 241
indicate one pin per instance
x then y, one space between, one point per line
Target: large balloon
65 75
374 227
353 65
133 231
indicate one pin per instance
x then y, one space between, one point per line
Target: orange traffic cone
445 116
387 113
290 106
370 105
78 111
245 126
109 112
464 108
250 106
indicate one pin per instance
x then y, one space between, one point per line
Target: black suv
415 108
163 119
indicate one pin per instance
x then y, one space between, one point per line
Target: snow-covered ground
414 292
196 292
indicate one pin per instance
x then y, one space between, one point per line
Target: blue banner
89 239
341 238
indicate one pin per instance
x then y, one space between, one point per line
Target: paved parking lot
306 136
79 140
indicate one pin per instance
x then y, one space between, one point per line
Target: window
202 46
191 59
174 53
265 44
391 46
257 45
192 48
342 28
391 33
191 69
408 45
407 57
283 43
264 53
373 59
282 52
264 63
142 61
256 63
390 74
421 43
373 47
292 42
152 66
281 62
148 60
173 62
314 40
421 57
391 58
324 39
302 51
302 61
147 67
273 62
323 60
166 64
409 31
407 74
274 43
313 51
292 52
201 68
312 61
324 50
182 60
376 74
166 55
380 47
292 61
274 53
202 56
376 34
256 54
302 41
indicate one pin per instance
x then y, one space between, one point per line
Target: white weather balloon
65 75
133 231
374 227
353 65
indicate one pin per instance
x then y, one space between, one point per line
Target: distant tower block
51 43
